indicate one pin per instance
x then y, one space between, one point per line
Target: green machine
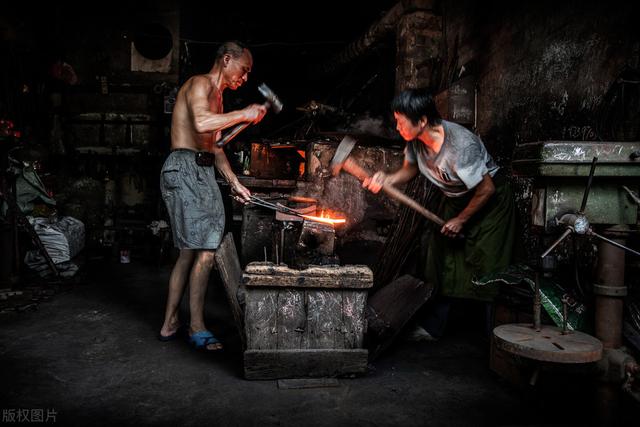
561 170
583 188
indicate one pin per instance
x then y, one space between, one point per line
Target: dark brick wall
545 70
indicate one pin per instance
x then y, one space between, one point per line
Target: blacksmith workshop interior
330 213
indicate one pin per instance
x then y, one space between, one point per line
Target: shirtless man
189 188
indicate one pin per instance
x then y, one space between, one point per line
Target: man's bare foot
169 331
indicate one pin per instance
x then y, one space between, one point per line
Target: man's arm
402 175
482 193
204 120
223 166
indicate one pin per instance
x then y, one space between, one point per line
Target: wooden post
228 265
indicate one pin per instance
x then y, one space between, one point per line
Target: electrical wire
267 44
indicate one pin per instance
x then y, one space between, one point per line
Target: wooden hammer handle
403 198
353 169
232 134
239 128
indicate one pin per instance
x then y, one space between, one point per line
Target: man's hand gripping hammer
272 101
341 161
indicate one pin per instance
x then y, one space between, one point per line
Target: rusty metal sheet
547 345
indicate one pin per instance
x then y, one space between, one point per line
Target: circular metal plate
549 344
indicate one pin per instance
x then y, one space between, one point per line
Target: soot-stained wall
544 70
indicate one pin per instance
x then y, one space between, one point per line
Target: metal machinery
583 189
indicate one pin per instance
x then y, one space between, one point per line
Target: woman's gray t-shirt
459 165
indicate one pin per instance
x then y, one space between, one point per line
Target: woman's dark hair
416 103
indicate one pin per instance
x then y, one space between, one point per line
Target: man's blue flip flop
200 340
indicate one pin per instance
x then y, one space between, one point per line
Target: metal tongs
274 206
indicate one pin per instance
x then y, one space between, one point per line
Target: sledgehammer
341 161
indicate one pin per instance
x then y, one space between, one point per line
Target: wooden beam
299 383
231 273
391 308
267 274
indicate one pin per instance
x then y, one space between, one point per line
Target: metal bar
276 207
633 195
565 315
614 243
536 304
557 242
587 189
282 244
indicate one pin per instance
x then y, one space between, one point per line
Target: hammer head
272 99
342 153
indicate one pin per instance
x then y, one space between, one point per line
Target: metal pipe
609 275
536 305
282 243
557 242
608 318
565 315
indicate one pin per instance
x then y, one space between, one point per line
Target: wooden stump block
305 323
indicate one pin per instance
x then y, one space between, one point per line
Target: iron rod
536 304
587 189
614 243
557 242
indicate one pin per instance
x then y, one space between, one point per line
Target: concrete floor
91 355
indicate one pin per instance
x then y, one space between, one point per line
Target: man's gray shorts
194 202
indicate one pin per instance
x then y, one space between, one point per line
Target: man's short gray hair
232 47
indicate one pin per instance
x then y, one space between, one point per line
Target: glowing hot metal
332 221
